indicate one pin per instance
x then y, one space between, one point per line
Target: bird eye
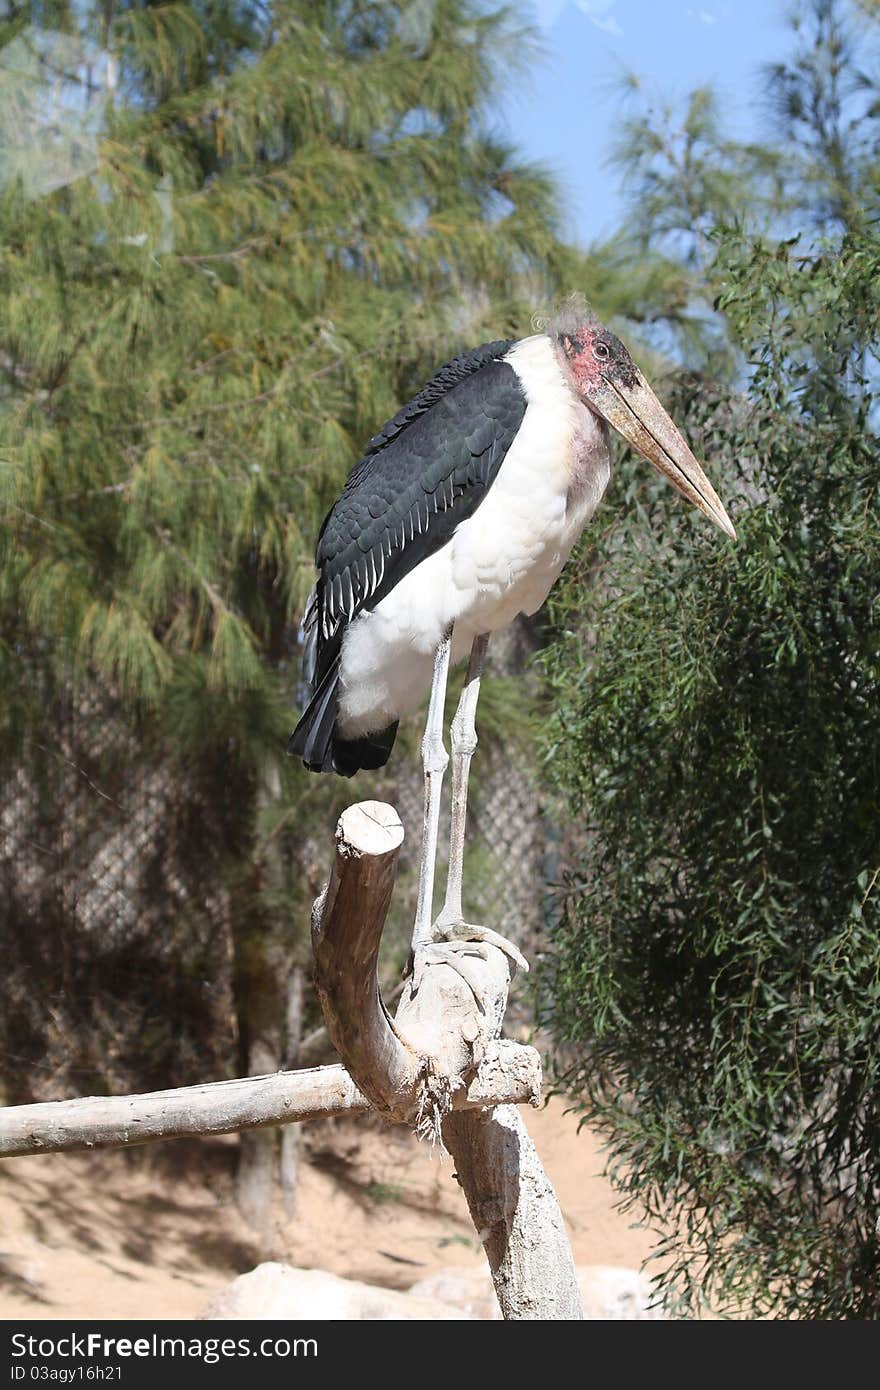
600 350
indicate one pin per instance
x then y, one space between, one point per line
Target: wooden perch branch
517 1216
356 906
439 1065
411 1067
222 1107
414 1066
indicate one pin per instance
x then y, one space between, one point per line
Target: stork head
610 383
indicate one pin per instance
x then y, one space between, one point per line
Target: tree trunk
292 1135
515 1211
262 965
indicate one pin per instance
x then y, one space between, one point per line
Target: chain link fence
114 923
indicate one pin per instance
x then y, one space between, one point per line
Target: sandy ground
137 1235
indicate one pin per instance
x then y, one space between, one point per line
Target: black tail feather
312 738
369 752
316 741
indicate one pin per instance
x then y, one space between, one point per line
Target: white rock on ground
469 1289
609 1292
612 1292
275 1290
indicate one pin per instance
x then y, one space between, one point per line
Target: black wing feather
425 472
405 498
440 384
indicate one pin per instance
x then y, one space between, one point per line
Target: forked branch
416 1067
225 1107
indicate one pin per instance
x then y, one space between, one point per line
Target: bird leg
452 939
435 760
464 743
450 926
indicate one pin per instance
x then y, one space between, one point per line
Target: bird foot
455 931
456 955
455 943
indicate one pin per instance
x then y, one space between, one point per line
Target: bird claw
453 954
453 940
454 931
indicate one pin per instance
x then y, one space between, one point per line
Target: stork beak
636 413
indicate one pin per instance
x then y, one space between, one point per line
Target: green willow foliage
714 991
685 176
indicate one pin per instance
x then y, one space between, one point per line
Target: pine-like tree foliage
281 229
714 990
233 237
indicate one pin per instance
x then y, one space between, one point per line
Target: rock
272 1290
470 1289
609 1292
275 1290
612 1292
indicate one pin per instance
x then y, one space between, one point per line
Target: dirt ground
153 1235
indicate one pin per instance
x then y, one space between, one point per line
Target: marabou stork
460 515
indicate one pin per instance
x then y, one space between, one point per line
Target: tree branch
518 1219
441 1055
414 1067
221 1107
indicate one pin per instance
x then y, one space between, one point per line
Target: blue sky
564 115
